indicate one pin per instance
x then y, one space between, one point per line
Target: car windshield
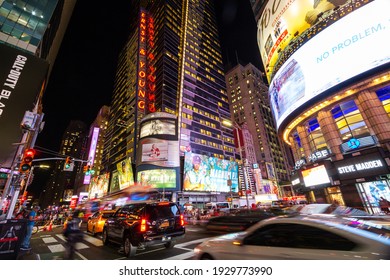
106 215
133 211
163 211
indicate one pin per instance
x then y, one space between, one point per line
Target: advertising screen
164 153
125 174
155 151
282 21
98 186
354 44
158 178
203 173
92 151
315 176
155 127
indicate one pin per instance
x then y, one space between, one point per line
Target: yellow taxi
96 221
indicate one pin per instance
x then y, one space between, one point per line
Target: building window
316 138
384 96
299 152
349 120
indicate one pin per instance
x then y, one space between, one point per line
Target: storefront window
371 193
316 138
384 96
349 121
299 152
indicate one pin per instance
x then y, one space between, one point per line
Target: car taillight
181 220
143 225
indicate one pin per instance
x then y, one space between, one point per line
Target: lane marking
49 240
93 240
56 248
183 256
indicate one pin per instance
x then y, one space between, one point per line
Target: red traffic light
29 155
27 159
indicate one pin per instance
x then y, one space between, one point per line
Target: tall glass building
36 26
171 63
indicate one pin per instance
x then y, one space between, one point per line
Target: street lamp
237 127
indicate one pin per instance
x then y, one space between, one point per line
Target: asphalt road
51 245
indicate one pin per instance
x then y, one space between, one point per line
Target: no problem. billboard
354 44
21 78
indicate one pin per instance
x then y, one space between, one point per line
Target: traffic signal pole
26 143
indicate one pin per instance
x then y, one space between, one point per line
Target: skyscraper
60 181
248 96
171 63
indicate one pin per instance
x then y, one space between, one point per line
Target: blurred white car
313 237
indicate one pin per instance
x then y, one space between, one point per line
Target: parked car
96 222
241 219
144 224
302 237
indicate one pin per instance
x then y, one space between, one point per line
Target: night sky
83 74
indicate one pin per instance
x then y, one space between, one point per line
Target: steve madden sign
362 166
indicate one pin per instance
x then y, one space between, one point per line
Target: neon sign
146 69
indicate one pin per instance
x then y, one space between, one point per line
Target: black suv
144 224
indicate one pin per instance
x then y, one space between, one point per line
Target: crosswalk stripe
93 240
56 248
49 240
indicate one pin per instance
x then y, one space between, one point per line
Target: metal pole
236 126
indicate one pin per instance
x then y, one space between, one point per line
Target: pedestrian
30 225
73 234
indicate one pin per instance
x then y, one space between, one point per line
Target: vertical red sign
146 69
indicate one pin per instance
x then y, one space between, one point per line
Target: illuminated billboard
22 79
92 151
158 178
125 174
354 44
203 173
283 21
155 127
315 176
98 186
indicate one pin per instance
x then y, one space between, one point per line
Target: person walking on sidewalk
30 224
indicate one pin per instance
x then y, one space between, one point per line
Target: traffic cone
50 226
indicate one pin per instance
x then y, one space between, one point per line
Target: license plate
165 224
165 238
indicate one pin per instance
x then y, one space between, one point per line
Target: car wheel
170 244
128 249
105 237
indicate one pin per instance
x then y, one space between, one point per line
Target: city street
51 245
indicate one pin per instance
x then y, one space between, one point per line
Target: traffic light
27 159
68 162
87 169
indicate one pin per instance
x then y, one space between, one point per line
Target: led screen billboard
356 43
98 186
158 126
203 173
125 174
158 178
315 176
